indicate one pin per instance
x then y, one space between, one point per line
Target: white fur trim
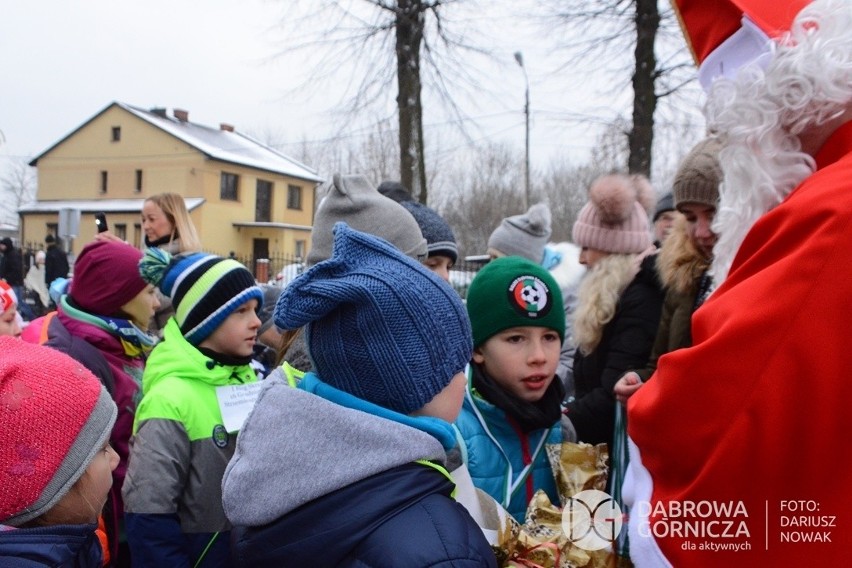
638 488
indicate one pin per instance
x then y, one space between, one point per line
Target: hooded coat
173 488
316 483
680 267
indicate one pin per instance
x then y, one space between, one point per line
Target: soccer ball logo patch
529 296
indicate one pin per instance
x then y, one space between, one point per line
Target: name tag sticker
235 403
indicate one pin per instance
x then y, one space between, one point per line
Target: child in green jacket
182 442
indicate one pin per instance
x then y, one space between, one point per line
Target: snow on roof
227 145
105 205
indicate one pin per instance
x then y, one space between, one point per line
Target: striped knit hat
55 416
204 288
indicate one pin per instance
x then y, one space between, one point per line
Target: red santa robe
740 444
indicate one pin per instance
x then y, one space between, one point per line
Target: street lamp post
519 57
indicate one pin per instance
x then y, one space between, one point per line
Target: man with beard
738 452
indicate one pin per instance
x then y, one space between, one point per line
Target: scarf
134 340
530 416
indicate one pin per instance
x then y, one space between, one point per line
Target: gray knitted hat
523 235
666 203
354 200
378 325
699 175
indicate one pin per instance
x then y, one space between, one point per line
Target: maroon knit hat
106 276
615 219
54 418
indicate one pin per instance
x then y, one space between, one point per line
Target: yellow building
243 196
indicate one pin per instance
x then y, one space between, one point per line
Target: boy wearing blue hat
347 467
513 401
185 428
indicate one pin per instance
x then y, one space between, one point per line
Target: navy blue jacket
68 546
369 523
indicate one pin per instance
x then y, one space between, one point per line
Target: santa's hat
726 35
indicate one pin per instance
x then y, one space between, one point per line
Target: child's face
85 501
9 322
447 403
142 307
522 360
236 335
440 265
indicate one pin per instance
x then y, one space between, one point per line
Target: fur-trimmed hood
679 263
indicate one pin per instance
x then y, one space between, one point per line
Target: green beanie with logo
512 291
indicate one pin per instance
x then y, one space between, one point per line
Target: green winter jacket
180 446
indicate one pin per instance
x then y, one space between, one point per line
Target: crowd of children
388 392
395 390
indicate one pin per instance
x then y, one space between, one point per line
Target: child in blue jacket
346 468
513 403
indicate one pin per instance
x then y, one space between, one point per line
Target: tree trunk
410 22
641 136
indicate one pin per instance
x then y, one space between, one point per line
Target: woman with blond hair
167 225
618 302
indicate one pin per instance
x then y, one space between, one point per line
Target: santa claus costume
739 450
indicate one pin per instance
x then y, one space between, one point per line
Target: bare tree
661 65
488 186
379 43
18 187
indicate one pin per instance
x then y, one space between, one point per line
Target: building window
103 181
300 249
229 188
294 197
137 235
120 231
138 181
116 133
263 201
53 229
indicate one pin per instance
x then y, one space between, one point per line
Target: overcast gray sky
63 62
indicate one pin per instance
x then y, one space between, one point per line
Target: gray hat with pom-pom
522 235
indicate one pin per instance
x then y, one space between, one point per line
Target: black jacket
55 264
12 265
626 344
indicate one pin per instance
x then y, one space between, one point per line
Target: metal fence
280 269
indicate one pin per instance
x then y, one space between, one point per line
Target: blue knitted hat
440 240
379 325
204 288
